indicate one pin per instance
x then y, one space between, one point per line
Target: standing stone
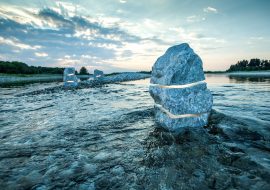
70 79
98 74
177 86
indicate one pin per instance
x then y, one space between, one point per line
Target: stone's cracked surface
179 91
172 116
179 86
179 65
177 125
192 100
70 79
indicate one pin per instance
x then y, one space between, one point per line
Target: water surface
106 137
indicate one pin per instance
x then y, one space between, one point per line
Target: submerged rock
178 88
70 79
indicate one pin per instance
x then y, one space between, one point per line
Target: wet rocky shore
198 159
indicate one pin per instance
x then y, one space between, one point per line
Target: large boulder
179 65
70 79
179 90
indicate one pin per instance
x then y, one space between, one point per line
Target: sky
129 35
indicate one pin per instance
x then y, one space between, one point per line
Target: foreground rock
70 79
178 88
178 66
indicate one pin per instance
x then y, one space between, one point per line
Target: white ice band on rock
172 116
179 86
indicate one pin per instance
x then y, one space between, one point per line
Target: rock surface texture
178 88
98 74
70 79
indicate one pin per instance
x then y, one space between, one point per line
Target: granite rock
177 125
178 66
70 79
181 97
191 100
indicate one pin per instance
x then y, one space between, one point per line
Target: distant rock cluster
178 88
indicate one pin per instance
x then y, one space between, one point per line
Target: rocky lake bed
104 136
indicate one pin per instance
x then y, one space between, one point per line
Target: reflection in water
219 79
102 138
241 79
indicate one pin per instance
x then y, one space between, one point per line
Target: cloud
255 40
41 54
60 35
194 18
52 18
17 44
199 41
68 41
122 1
210 10
127 53
108 43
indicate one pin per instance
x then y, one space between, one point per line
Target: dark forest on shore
252 65
16 67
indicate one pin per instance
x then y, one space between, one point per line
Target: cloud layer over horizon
129 36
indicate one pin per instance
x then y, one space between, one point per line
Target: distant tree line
146 72
83 71
252 65
16 67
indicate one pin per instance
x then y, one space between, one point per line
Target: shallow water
106 137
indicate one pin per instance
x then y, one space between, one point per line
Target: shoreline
250 73
118 78
21 79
